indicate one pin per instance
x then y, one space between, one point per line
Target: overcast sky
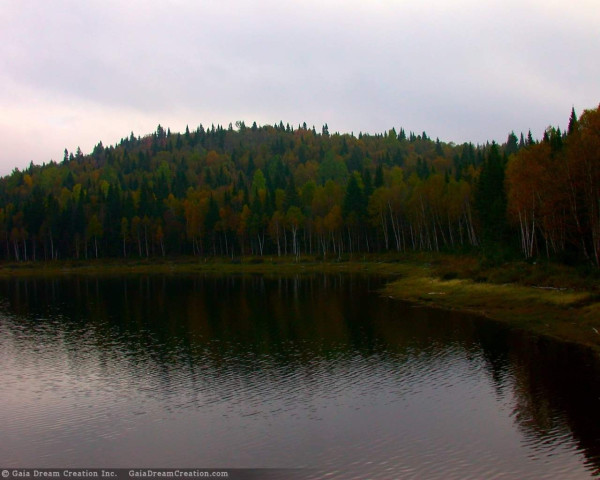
73 72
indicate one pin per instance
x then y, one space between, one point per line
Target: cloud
75 71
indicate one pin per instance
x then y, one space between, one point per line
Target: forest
284 190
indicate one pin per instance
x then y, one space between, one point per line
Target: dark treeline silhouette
281 190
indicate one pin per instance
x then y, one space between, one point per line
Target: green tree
573 122
355 202
512 144
490 198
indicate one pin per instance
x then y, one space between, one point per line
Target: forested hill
280 190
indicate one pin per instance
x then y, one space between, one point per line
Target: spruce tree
573 122
355 204
512 145
490 197
379 176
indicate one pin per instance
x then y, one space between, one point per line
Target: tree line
281 190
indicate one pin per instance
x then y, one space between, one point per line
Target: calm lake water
317 371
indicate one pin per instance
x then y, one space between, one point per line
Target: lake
317 372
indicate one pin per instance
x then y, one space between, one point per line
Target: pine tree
490 197
512 145
291 199
379 176
573 122
530 140
355 161
354 201
438 148
368 183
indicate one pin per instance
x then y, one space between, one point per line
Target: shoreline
549 300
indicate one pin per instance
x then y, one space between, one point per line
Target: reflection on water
315 371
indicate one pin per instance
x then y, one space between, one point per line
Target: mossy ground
545 298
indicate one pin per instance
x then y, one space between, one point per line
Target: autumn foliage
279 190
554 191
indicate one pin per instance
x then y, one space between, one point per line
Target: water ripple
347 402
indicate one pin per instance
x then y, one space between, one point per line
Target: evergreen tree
367 184
291 199
422 169
344 147
355 161
511 144
379 176
573 122
530 140
69 181
438 148
354 201
212 216
490 198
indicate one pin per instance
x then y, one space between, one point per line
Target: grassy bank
561 312
549 299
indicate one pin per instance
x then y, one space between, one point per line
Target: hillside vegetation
280 190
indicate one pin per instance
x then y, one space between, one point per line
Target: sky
74 73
